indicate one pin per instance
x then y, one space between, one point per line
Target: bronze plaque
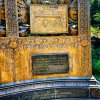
49 19
50 64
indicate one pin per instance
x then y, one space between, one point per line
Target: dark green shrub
96 59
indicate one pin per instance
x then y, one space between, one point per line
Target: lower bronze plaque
50 64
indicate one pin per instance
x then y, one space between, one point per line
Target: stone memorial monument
45 50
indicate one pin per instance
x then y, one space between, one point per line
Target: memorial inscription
50 64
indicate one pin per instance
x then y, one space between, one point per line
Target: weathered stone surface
95 93
50 94
16 53
34 85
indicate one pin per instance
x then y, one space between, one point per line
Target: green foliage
97 76
95 31
96 60
95 11
97 17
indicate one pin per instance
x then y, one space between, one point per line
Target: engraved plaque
50 64
49 19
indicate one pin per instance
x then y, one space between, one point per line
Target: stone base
51 89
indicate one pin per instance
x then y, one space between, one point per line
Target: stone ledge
54 93
85 87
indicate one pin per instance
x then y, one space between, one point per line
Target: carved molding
11 18
83 17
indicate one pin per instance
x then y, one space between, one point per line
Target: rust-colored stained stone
16 61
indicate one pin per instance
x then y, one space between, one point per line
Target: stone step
52 88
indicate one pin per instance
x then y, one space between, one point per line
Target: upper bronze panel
49 19
15 18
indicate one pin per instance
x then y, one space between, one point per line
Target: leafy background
95 36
